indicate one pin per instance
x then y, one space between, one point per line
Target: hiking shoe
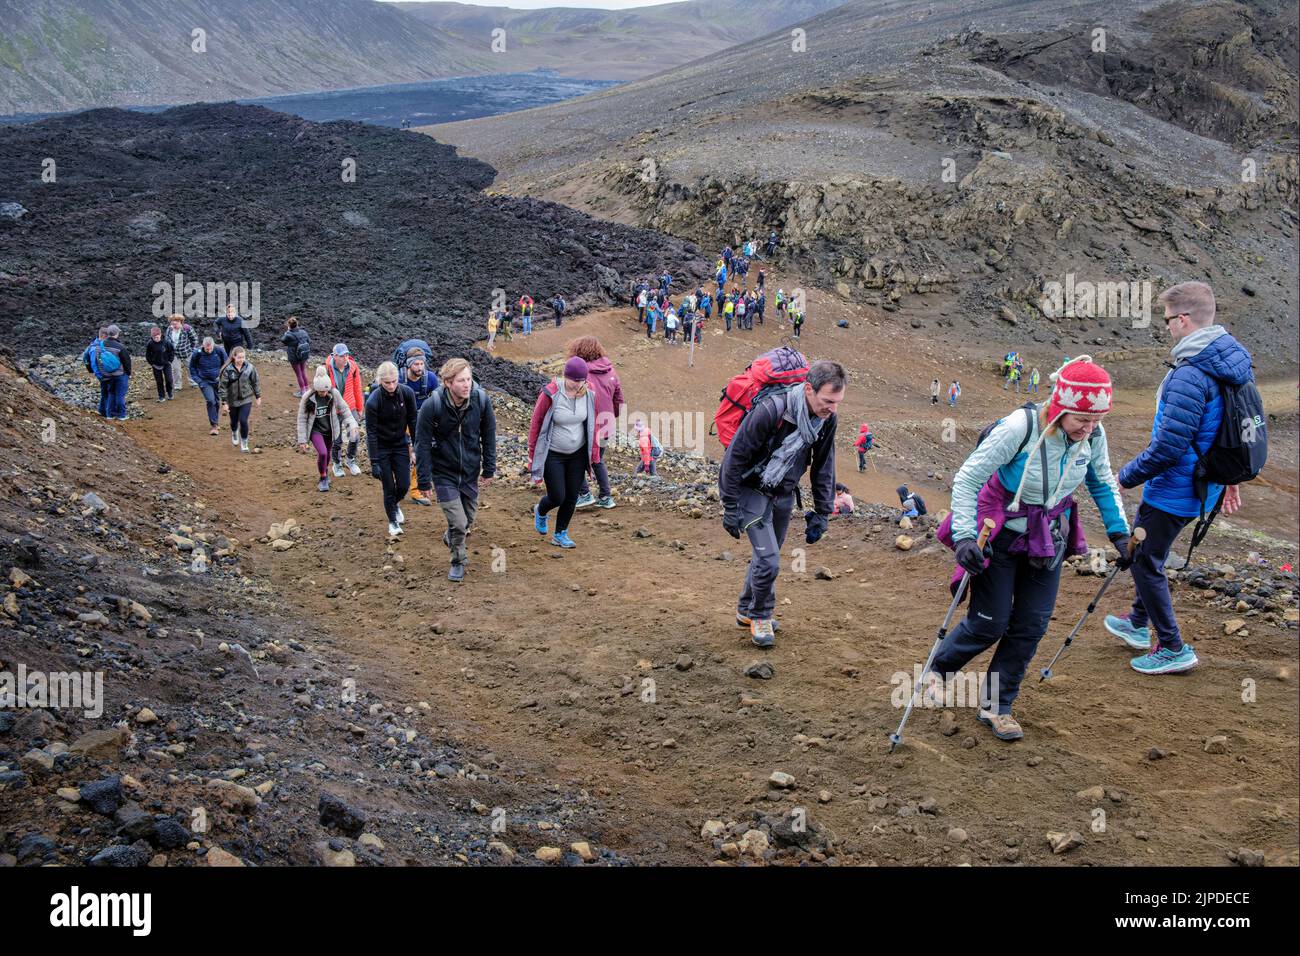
585 501
353 467
324 484
561 539
1164 661
394 529
401 518
243 446
760 631
161 400
539 520
1004 726
215 431
1138 638
420 498
456 573
745 621
234 439
605 501
338 470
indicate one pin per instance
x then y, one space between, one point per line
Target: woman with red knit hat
1024 475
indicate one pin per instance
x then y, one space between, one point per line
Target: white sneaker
243 446
234 439
338 470
394 529
353 467
401 518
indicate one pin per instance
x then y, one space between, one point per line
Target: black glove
970 556
1120 540
374 470
731 520
817 525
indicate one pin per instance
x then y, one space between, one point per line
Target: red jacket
350 387
861 443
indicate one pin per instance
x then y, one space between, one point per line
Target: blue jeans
116 398
528 324
209 391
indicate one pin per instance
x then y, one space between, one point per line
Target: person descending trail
110 362
240 391
934 392
1033 381
604 384
1212 370
422 383
493 321
160 355
558 305
205 371
863 444
562 446
323 417
390 420
1023 475
954 392
297 349
183 341
345 375
456 452
787 429
772 241
233 332
796 320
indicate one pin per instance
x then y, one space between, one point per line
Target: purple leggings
300 370
322 446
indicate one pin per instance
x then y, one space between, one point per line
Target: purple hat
575 369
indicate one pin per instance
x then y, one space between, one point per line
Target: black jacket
388 418
455 445
232 330
297 345
159 354
760 433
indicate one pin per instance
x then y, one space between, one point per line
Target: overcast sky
535 4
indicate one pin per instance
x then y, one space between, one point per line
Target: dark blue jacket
1189 410
205 367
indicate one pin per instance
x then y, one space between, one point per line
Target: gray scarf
797 442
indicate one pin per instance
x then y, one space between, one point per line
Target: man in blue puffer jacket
1189 410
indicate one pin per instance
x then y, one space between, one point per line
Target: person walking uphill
605 387
232 331
456 453
782 435
240 391
422 384
183 341
323 417
205 371
390 420
160 355
110 362
345 375
1023 476
1189 411
562 447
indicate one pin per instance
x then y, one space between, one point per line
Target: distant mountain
614 44
68 54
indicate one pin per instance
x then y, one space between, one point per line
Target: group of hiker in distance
1013 518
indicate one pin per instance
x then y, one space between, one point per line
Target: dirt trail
548 662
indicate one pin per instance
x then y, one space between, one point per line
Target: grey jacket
540 431
307 413
239 387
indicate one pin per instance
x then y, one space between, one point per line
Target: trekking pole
896 737
1139 535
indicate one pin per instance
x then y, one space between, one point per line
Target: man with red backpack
787 420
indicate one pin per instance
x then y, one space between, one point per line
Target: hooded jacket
1189 410
608 391
454 446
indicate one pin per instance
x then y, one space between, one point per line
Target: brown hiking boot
1004 726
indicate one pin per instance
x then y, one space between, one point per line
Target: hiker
323 417
390 420
934 392
422 384
760 303
652 319
456 453
787 430
772 241
1007 362
345 375
642 299
913 505
706 305
297 349
562 446
843 501
665 282
408 348
796 320
780 303
1033 381
240 391
954 393
205 371
648 446
492 323
232 331
1190 406
862 444
1023 475
160 355
670 327
183 341
728 310
558 305
1013 375
607 390
526 314
110 362
761 281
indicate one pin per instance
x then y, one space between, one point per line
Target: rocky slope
62 55
949 161
226 194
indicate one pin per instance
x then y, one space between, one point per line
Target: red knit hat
1082 387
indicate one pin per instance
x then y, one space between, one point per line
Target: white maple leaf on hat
1100 400
1069 397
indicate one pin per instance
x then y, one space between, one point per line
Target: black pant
563 474
1011 604
239 419
231 344
602 480
162 377
1152 604
395 473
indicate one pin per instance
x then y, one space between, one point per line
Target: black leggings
239 419
563 474
395 475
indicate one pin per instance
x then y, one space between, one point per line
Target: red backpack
777 369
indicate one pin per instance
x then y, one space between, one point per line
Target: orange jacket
350 387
